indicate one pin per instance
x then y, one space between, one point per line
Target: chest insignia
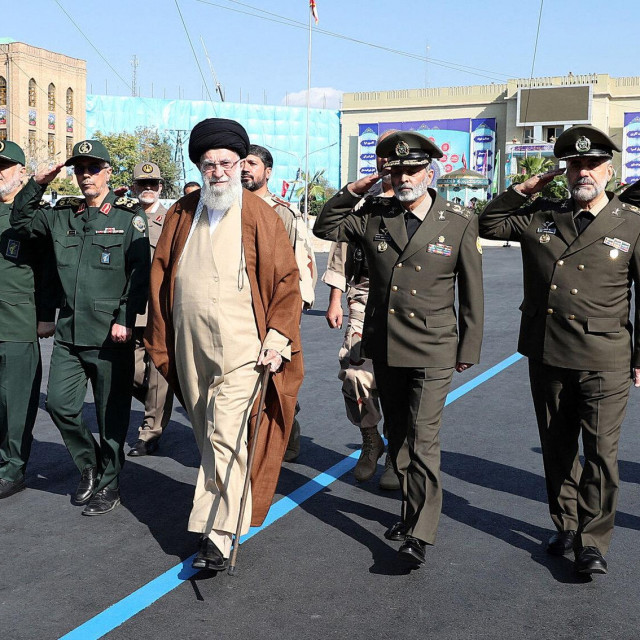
547 227
382 246
439 249
13 249
105 258
109 231
617 244
544 238
383 234
613 254
138 223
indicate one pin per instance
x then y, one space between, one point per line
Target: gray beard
415 193
8 187
586 192
221 198
148 199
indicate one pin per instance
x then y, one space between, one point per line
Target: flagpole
306 170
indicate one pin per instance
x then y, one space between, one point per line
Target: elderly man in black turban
225 302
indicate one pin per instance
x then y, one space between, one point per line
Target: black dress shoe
86 486
413 551
102 502
589 560
396 532
9 487
561 542
209 557
143 447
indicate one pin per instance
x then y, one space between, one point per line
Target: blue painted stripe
131 605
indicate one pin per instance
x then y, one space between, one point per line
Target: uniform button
215 300
549 311
418 268
392 311
573 292
215 279
413 292
394 288
572 317
560 263
412 315
580 267
554 287
399 265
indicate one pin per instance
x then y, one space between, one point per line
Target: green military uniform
102 257
411 330
576 332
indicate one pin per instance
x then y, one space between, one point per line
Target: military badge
138 223
105 258
478 245
613 254
382 246
85 147
147 168
402 149
440 239
13 249
441 215
583 144
544 238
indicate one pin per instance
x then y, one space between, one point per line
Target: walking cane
252 452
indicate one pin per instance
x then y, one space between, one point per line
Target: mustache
584 181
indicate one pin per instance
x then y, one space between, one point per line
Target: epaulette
631 207
129 204
459 209
68 202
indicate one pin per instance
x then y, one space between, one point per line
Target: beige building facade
526 116
42 101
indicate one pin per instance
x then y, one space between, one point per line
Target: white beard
9 186
415 193
221 197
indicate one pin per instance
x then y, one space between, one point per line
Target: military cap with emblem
147 171
407 148
583 140
12 152
93 149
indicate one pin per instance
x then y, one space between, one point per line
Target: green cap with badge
407 148
582 141
147 171
12 152
93 149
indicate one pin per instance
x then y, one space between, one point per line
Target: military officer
27 312
417 247
102 256
580 256
149 386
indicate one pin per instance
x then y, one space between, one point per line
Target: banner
483 147
367 140
631 148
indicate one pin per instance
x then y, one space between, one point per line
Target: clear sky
468 42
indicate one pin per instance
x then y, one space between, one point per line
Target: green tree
319 191
145 144
64 186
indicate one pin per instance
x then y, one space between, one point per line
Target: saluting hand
45 177
270 358
360 187
120 334
537 183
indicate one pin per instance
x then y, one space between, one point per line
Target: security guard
102 257
149 387
27 276
580 256
417 247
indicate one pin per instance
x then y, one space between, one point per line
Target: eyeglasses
92 169
147 184
225 165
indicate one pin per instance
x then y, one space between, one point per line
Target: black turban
217 133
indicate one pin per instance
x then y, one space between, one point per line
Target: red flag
285 188
314 10
464 162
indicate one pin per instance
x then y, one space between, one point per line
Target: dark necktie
412 223
583 220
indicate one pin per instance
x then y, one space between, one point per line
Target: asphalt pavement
321 568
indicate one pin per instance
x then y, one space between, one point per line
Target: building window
3 134
32 142
51 145
52 97
32 93
70 101
551 133
3 90
69 146
528 137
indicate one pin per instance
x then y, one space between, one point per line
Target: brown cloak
274 278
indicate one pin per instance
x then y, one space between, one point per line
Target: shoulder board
459 209
278 200
68 202
129 204
631 207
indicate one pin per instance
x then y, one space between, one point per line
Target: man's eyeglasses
225 165
92 169
147 184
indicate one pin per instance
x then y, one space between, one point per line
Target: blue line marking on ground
134 603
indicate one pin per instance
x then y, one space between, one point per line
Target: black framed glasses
92 169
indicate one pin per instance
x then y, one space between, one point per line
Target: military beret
583 140
407 148
217 133
93 149
147 171
12 152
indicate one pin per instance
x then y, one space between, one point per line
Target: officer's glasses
148 184
225 165
92 169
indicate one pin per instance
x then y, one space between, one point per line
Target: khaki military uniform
576 332
301 243
102 258
411 329
149 386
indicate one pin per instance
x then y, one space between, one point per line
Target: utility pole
134 76
178 154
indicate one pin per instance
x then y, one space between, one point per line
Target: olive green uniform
576 332
27 295
411 331
102 257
